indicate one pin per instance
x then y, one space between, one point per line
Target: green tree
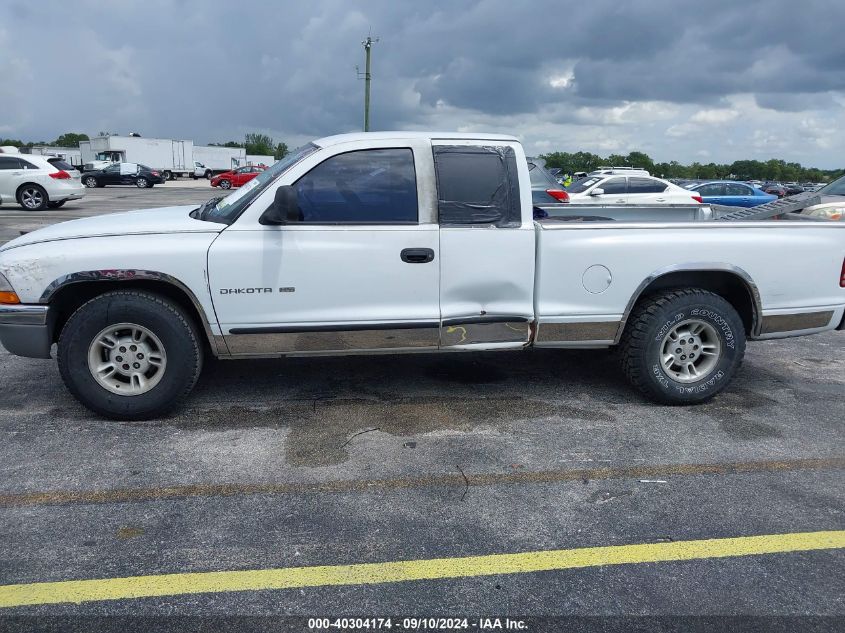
70 139
641 160
281 151
227 144
256 143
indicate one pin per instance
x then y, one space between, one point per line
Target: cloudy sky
680 80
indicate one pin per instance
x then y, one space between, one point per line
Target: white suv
38 182
628 187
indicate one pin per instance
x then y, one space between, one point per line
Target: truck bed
786 208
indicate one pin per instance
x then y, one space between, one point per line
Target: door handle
417 255
660 200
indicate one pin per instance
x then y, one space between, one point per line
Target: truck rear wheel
683 346
129 355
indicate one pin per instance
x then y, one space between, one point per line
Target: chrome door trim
576 332
474 330
774 323
341 338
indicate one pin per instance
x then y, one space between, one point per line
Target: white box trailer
258 159
210 160
171 157
71 155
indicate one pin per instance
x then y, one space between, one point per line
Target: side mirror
285 208
598 191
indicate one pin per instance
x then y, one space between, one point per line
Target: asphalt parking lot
292 470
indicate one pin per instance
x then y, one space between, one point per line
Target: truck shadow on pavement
324 403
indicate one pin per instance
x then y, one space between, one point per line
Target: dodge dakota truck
404 242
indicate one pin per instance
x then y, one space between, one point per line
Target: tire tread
634 338
161 303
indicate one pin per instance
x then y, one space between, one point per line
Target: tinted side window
25 164
738 190
9 162
712 190
368 186
58 163
477 185
645 185
614 186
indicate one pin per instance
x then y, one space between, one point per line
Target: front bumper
26 330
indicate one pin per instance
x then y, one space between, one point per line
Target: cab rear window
476 185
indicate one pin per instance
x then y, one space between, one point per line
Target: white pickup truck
404 242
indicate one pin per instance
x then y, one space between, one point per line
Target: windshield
230 208
836 188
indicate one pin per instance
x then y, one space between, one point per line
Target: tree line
254 143
774 169
261 144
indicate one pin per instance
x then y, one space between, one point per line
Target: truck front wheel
682 346
129 355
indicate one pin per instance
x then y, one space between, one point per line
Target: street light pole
368 45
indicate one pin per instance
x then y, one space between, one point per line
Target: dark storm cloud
213 70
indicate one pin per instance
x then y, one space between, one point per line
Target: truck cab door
356 271
486 245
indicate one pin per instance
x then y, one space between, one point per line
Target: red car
236 177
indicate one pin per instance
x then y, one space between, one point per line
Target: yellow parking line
79 591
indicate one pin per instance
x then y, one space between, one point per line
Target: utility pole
368 45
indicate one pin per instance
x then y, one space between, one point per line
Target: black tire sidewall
731 332
176 335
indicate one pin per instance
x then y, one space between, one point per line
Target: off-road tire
175 330
648 325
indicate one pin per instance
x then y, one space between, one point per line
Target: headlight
7 293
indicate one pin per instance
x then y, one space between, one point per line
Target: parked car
544 188
620 188
123 174
236 177
832 201
38 182
135 300
730 193
829 211
775 189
